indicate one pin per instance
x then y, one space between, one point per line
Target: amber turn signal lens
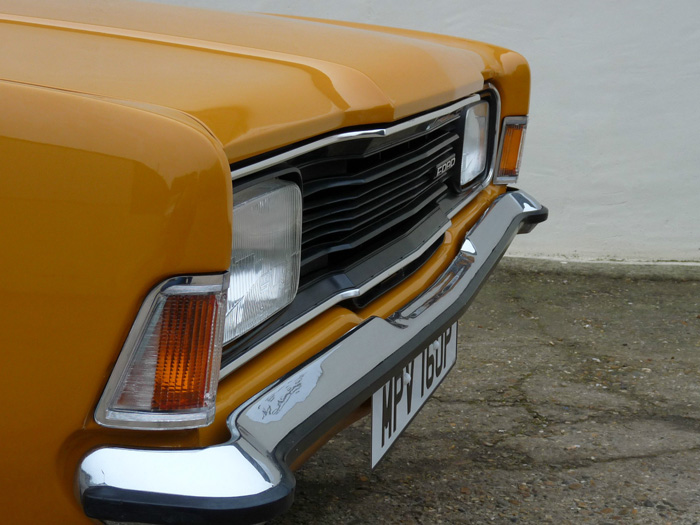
186 337
511 149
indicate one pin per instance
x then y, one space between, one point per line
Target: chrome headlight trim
476 142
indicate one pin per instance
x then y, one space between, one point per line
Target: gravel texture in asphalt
575 399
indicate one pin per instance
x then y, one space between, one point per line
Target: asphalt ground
575 399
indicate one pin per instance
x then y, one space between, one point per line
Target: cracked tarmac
575 399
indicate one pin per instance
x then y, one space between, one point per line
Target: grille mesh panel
353 198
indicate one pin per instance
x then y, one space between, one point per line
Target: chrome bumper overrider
247 479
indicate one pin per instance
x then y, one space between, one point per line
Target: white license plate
396 403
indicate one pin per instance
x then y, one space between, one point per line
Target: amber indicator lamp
167 373
511 149
183 372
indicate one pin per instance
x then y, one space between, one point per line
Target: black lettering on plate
448 336
422 374
387 404
444 352
398 393
445 165
429 368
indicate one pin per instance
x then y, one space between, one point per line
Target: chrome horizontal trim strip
351 135
346 294
248 478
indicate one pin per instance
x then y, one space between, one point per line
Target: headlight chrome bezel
490 99
475 143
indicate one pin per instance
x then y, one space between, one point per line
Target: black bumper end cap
168 509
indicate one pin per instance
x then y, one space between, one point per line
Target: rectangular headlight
475 145
266 254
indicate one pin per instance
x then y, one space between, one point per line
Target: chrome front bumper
247 479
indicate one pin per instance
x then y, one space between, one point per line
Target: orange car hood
255 81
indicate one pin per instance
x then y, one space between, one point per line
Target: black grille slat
393 180
327 210
382 169
355 194
335 209
342 229
380 204
353 242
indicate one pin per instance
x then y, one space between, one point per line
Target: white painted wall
615 113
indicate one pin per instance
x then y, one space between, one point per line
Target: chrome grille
371 194
375 207
359 192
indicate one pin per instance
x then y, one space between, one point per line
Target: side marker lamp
510 151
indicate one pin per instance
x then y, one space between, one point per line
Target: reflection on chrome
468 247
223 471
275 405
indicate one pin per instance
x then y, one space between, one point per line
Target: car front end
292 215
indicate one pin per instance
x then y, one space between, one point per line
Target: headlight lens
474 148
266 254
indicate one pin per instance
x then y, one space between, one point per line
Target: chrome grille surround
256 169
